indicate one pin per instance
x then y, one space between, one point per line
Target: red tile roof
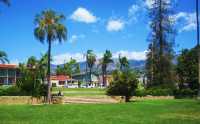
8 66
60 77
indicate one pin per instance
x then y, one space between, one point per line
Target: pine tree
159 58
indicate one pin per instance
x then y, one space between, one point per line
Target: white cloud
83 15
80 57
115 25
133 10
131 55
75 38
62 58
150 3
185 21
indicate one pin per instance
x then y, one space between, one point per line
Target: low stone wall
152 97
9 100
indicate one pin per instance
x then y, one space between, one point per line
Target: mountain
134 64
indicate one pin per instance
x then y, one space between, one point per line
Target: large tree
107 59
159 58
49 27
3 57
198 45
187 69
91 59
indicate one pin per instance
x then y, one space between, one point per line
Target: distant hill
134 64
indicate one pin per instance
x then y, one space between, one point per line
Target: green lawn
80 91
141 112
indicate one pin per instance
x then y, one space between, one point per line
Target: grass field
80 91
141 112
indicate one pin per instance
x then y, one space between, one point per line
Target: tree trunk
127 99
90 76
105 76
49 73
102 76
161 44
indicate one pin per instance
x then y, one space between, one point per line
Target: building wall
7 76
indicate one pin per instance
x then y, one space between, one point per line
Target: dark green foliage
32 78
11 91
185 93
69 68
159 67
124 84
3 57
187 69
90 59
124 64
105 61
154 92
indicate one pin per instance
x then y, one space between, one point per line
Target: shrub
159 92
185 93
124 84
140 92
11 91
154 92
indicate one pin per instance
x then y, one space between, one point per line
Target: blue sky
118 25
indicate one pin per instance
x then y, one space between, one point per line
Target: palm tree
43 65
123 62
107 58
3 57
50 28
91 59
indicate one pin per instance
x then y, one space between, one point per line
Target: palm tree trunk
49 73
198 47
105 77
90 76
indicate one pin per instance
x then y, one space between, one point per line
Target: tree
124 64
159 58
123 84
69 68
49 28
187 69
198 45
43 65
30 82
107 59
3 57
91 59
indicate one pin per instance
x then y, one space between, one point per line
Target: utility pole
198 47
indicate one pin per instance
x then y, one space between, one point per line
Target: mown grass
140 112
80 91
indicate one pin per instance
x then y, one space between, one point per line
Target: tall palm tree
197 20
123 62
91 59
3 57
50 28
107 58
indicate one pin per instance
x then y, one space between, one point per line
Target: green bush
185 93
154 92
140 92
11 91
124 84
